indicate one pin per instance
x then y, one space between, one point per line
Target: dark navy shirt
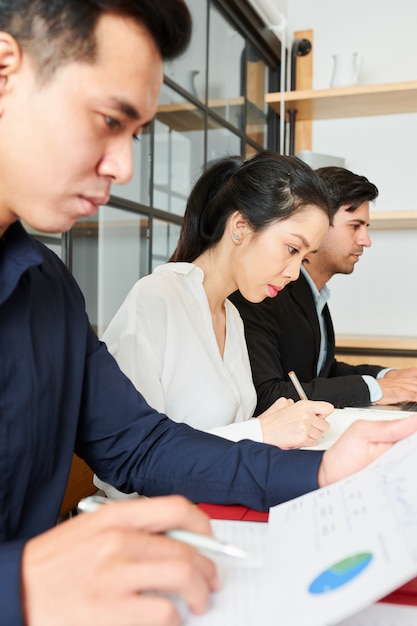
60 391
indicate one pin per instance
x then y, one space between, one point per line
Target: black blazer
283 334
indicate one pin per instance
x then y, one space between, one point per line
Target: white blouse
163 339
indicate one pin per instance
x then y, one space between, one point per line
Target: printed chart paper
327 556
339 549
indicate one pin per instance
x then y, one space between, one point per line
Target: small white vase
345 70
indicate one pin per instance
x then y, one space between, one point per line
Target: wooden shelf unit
355 101
344 102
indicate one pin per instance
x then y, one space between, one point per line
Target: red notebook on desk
407 594
219 511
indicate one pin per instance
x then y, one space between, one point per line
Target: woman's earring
235 236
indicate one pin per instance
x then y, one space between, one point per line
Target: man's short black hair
55 32
347 188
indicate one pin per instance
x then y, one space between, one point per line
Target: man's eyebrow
130 112
357 220
124 107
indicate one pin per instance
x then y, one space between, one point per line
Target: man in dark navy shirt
76 83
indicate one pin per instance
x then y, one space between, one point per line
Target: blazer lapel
301 293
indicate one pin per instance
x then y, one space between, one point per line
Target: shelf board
185 116
181 116
393 220
356 101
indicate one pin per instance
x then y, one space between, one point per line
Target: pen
197 540
297 385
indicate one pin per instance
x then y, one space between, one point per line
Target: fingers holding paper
114 567
360 444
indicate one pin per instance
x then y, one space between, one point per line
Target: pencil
197 540
297 385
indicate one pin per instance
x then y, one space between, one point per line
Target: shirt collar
182 267
18 252
320 297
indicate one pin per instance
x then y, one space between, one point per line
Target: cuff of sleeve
375 391
249 429
10 585
382 373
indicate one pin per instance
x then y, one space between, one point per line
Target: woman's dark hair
345 187
266 189
55 32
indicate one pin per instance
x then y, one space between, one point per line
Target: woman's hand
294 425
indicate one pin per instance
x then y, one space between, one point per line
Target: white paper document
237 603
349 544
328 555
341 419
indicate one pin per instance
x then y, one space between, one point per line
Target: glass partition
110 253
164 241
226 80
221 141
189 70
138 189
178 152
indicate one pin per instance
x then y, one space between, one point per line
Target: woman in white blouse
248 226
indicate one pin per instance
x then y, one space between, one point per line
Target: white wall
379 298
383 148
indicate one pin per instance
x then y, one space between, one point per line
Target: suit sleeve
344 385
144 451
10 583
339 368
266 333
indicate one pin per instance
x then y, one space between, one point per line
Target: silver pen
297 385
197 540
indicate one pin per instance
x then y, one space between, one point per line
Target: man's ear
10 60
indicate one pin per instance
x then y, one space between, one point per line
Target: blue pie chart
340 573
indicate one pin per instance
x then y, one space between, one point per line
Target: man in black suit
294 331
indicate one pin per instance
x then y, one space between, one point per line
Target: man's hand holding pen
118 556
